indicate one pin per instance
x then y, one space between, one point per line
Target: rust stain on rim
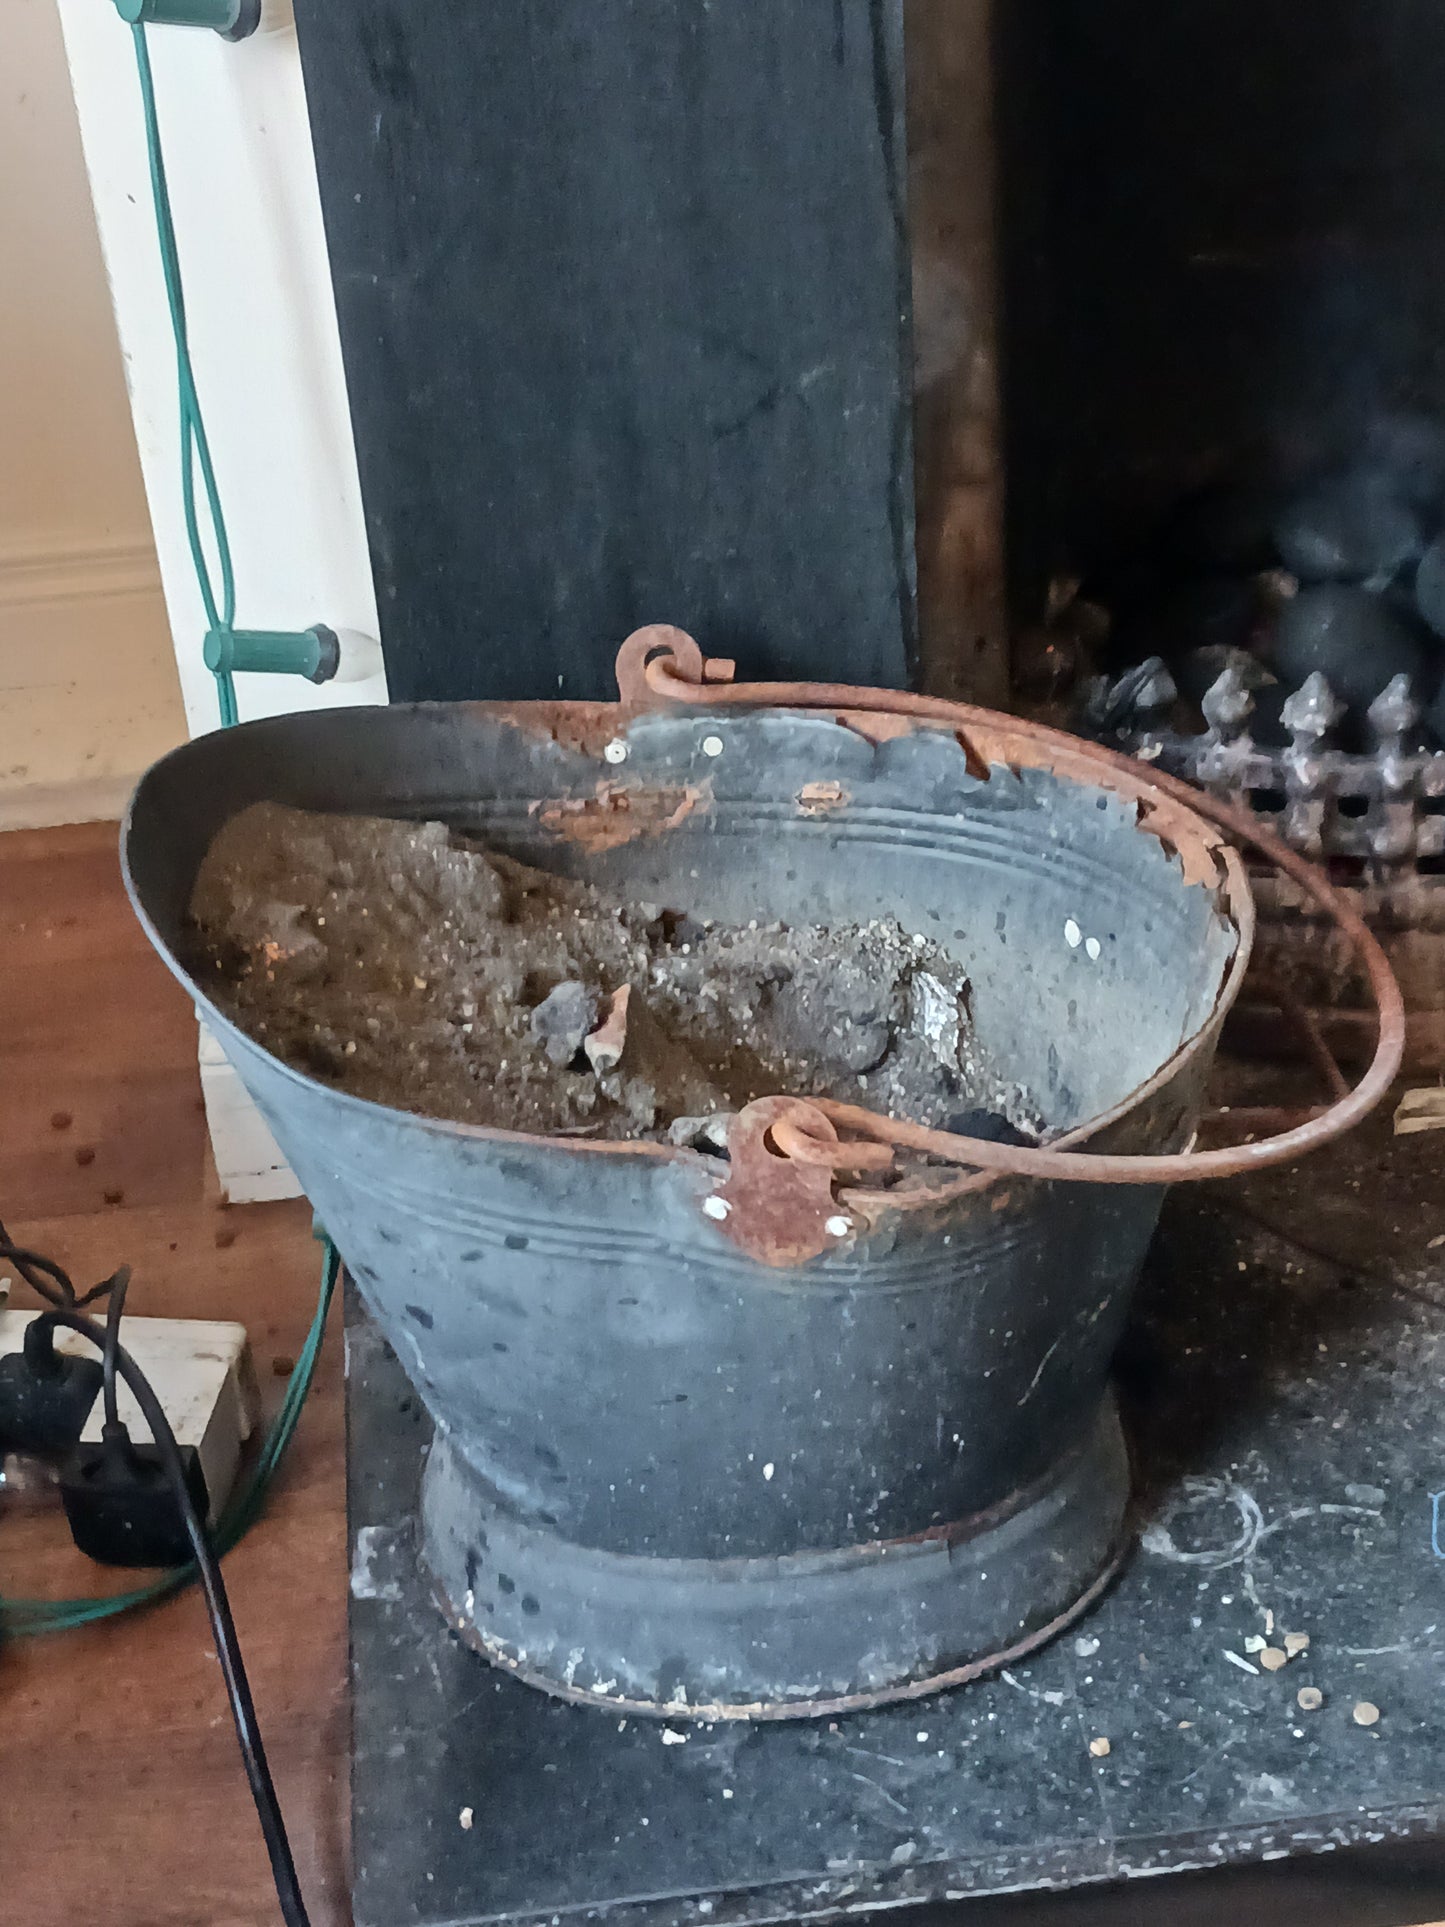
818 799
618 813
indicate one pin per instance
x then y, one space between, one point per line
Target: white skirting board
248 1159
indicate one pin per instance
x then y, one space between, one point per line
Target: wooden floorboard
122 1800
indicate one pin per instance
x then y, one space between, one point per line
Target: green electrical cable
20 1617
195 448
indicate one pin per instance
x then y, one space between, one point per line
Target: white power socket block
200 1370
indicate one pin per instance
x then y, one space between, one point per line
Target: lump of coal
700 1133
1349 528
1410 449
847 1006
1352 638
987 1126
562 1020
861 1032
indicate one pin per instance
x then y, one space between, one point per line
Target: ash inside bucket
408 964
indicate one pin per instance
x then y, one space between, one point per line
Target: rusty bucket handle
660 664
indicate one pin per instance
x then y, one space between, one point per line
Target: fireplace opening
1222 289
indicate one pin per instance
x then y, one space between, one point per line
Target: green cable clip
231 19
314 653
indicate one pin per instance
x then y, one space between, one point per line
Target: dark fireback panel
623 291
1224 252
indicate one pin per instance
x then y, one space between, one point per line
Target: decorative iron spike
1394 710
1392 823
1228 703
1312 711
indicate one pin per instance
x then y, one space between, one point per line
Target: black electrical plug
45 1395
122 1507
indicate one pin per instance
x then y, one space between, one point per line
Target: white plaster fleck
372 1543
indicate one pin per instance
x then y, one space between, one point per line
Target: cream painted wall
88 687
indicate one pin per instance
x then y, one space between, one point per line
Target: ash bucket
843 1440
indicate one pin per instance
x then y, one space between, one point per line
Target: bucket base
801 1636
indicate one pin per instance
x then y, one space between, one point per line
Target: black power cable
213 1586
115 1305
45 1278
51 1281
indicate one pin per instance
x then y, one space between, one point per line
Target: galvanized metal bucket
839 1443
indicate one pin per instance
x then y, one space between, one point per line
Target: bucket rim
585 727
